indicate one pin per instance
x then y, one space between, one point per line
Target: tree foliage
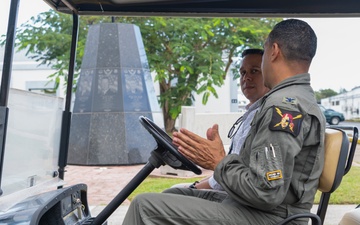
193 55
46 39
188 55
342 90
324 93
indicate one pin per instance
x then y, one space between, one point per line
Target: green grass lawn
158 184
349 190
347 193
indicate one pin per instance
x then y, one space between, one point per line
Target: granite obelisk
115 87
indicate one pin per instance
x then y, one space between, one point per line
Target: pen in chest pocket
272 149
266 152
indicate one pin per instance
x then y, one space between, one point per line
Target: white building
348 103
28 75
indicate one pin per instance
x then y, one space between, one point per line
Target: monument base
111 138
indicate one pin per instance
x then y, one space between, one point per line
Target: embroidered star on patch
286 120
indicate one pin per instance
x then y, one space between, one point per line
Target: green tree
193 55
189 55
46 39
342 90
324 93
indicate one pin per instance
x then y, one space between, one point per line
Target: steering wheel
171 155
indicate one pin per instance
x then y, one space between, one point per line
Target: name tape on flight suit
274 175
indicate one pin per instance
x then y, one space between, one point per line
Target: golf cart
68 205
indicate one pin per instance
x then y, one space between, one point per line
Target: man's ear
275 51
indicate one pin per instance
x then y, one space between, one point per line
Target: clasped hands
205 152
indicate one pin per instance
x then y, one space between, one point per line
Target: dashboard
65 206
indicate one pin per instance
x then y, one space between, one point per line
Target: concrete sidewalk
333 215
105 182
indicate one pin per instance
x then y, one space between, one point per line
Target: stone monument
114 88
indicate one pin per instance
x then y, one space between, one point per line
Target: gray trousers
193 207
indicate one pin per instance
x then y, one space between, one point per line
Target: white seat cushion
351 218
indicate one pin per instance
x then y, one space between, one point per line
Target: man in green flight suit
277 171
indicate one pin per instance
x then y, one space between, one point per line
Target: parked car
332 117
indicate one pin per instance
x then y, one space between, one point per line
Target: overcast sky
335 66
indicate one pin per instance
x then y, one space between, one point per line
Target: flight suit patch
289 100
286 120
274 175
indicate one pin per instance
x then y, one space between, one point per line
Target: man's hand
206 153
203 185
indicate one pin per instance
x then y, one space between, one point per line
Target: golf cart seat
352 217
338 160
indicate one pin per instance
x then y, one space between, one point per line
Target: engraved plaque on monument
115 88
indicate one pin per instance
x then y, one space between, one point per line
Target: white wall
200 122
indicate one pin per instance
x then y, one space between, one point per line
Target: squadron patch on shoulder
289 100
286 120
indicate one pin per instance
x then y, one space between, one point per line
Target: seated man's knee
175 190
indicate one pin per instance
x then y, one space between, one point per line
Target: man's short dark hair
296 39
251 51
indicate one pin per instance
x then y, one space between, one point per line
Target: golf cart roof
228 8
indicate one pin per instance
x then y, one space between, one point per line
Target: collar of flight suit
302 79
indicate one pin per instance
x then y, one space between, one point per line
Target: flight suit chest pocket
266 162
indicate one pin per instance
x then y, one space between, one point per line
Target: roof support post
5 80
66 119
